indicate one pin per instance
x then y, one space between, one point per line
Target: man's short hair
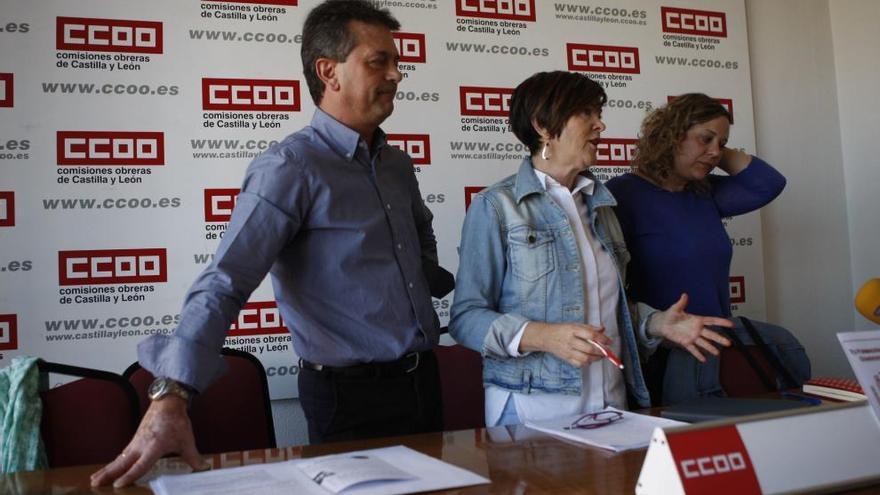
326 34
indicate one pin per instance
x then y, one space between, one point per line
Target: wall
816 122
856 40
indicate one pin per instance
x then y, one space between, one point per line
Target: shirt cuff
645 314
513 346
501 333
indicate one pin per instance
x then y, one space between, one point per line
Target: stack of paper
386 471
632 431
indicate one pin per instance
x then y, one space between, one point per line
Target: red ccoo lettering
110 148
108 35
417 146
603 58
219 204
112 266
695 22
269 95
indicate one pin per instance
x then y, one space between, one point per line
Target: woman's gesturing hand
689 331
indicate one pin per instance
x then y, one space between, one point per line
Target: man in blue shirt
335 215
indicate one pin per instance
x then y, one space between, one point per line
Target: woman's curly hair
665 128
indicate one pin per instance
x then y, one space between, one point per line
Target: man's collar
341 138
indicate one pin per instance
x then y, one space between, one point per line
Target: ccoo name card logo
615 151
8 332
410 47
713 460
258 318
486 102
417 146
110 148
108 35
602 58
695 22
6 90
512 10
219 204
112 266
269 95
7 209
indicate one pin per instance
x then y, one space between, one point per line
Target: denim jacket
520 262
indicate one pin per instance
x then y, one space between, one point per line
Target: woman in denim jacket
539 286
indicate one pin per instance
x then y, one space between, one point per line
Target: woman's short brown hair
665 128
551 98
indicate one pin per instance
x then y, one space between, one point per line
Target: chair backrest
86 421
461 383
763 358
738 376
233 414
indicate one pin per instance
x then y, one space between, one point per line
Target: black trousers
367 401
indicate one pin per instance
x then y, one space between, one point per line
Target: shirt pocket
532 254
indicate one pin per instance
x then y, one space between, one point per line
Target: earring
544 151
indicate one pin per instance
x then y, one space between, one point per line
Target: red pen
607 353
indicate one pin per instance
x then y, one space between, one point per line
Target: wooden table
516 459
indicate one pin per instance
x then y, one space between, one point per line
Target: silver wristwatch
164 386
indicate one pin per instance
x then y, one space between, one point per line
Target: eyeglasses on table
591 421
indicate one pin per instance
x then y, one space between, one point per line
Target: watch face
164 386
158 388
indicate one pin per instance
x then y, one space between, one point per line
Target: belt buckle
414 366
309 365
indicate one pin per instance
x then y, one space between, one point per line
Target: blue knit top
677 239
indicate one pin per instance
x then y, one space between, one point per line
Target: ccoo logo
108 35
696 22
219 204
489 102
602 58
417 146
110 148
512 10
410 46
258 318
615 151
269 95
6 90
8 332
737 290
112 266
7 209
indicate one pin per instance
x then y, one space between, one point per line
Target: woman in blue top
671 208
540 282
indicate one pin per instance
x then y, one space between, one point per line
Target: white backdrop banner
126 127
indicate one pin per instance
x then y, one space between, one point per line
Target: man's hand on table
165 429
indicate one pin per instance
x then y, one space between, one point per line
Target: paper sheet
338 472
424 473
862 349
633 431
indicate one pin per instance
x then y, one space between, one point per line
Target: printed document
632 431
862 349
385 471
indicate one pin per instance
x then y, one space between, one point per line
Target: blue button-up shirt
342 228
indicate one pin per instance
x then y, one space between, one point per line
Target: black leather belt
405 365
